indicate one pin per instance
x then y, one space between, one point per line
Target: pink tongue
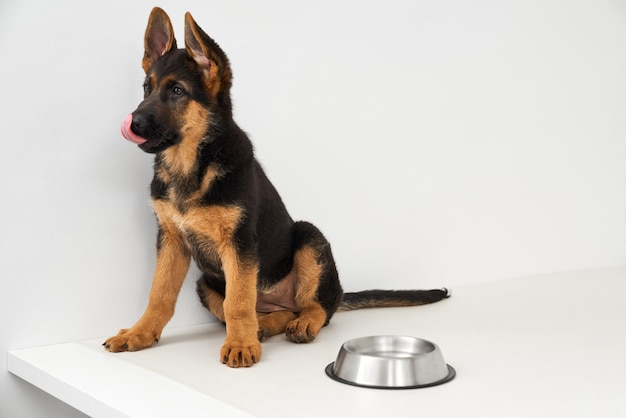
128 133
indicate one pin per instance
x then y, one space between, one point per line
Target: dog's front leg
173 260
241 347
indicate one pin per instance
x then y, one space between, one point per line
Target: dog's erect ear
208 55
159 39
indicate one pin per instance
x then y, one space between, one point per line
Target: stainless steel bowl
390 362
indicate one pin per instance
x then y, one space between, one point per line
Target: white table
545 346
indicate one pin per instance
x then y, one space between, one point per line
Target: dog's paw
240 354
130 340
301 331
263 334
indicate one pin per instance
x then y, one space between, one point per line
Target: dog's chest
206 230
181 207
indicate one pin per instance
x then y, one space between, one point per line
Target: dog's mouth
147 145
128 133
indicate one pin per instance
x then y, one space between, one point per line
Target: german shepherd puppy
263 273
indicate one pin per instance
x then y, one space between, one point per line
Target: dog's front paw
240 354
130 340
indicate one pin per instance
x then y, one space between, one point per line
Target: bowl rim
346 345
331 373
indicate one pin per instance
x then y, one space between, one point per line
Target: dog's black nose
140 122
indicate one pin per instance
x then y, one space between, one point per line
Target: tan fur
214 83
213 301
218 223
308 271
312 316
215 222
241 347
180 159
171 268
274 323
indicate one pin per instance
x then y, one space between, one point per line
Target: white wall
435 142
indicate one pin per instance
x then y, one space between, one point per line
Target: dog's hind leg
318 291
273 323
211 299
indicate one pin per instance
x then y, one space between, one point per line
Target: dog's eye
177 91
146 89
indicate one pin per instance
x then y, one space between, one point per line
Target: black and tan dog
263 273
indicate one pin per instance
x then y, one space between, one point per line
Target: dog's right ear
159 39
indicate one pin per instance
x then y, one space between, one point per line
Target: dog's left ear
208 55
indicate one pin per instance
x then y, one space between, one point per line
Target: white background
435 142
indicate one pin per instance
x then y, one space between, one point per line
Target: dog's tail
390 298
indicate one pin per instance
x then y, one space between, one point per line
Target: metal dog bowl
390 362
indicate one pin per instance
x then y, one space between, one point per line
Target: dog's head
184 90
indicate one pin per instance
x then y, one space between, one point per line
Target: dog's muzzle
128 133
